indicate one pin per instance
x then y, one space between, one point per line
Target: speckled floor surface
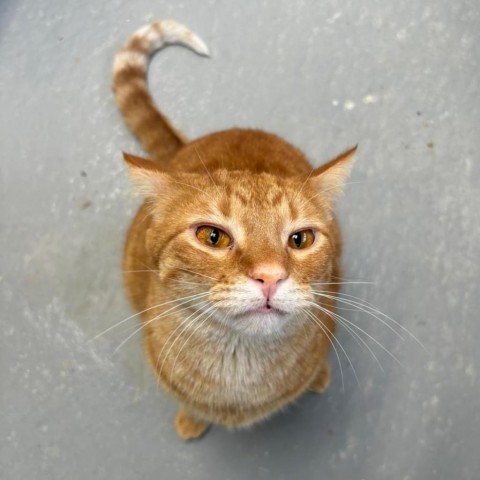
399 78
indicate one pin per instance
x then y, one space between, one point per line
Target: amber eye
213 237
302 239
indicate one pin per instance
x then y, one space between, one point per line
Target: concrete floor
399 78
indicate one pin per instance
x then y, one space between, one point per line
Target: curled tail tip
174 32
143 43
166 32
199 46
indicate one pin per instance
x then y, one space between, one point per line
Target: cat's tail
130 67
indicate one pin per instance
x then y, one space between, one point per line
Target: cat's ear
330 178
148 178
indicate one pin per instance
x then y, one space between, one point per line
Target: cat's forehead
257 189
262 198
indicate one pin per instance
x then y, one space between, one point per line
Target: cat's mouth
262 320
267 308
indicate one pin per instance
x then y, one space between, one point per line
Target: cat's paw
188 427
322 380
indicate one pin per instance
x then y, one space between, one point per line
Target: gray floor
399 78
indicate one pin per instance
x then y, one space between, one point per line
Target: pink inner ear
149 178
330 178
348 155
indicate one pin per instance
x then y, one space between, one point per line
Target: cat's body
224 257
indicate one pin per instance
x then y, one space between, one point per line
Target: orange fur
229 353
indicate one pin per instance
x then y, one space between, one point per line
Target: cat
222 261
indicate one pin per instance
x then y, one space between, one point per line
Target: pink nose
268 276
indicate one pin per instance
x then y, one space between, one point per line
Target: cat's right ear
149 178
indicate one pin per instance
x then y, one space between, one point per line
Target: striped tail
153 129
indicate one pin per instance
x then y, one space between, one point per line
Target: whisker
196 273
303 184
188 338
332 188
361 307
331 337
399 325
193 186
182 322
360 341
136 315
344 283
180 334
347 309
173 309
184 282
204 166
346 324
341 278
345 353
303 325
154 319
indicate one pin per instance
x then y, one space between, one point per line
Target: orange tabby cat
222 258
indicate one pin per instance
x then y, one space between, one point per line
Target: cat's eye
301 239
213 237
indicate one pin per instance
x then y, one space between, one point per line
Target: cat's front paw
188 427
322 380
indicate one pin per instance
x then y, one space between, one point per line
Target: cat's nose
268 276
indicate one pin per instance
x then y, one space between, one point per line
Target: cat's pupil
214 236
297 239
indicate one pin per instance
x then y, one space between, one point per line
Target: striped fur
153 129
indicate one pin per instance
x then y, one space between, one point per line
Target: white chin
261 323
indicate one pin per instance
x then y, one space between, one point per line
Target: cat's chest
213 366
243 364
239 369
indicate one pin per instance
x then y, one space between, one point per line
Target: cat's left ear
330 178
149 178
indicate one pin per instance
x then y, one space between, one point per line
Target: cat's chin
261 321
267 310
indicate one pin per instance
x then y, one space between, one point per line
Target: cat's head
253 246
